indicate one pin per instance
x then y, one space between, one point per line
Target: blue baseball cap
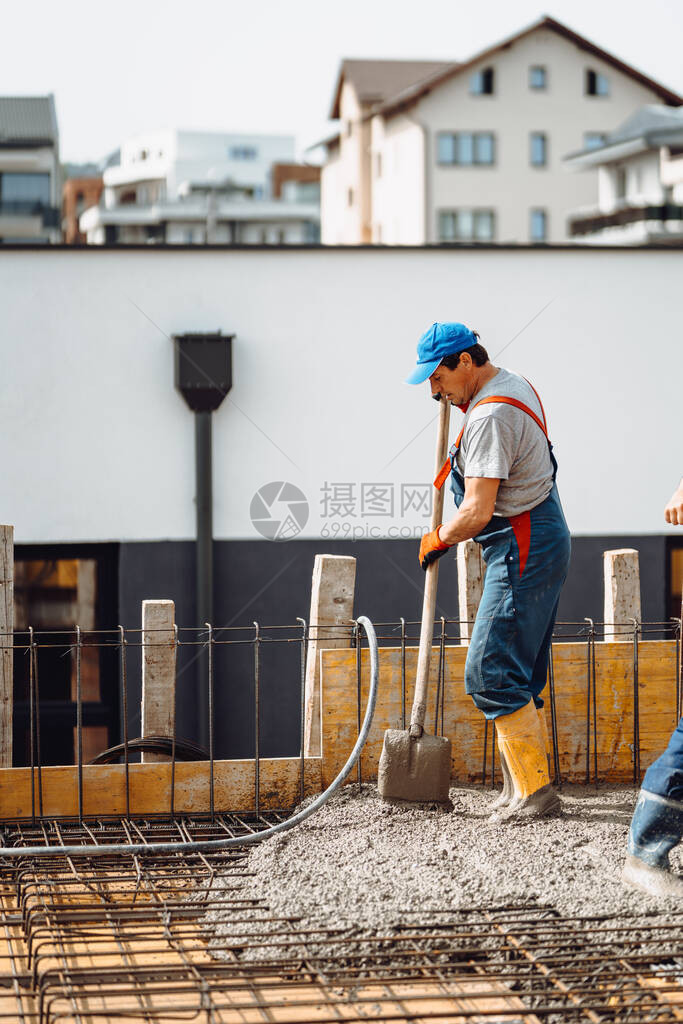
438 341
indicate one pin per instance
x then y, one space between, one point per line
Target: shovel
414 766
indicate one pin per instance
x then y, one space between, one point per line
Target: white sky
270 65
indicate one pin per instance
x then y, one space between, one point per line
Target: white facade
99 445
199 187
414 197
640 183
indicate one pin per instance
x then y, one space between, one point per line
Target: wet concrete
359 864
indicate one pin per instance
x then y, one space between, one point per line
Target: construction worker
502 474
657 823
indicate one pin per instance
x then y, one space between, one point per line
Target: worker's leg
500 662
507 659
657 823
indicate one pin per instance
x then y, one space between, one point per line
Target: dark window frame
474 162
544 69
536 210
487 77
540 136
471 238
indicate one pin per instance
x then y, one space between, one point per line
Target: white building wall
99 446
512 187
398 192
346 194
332 212
642 178
178 156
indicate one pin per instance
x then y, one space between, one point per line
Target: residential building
30 185
472 152
199 187
640 182
78 194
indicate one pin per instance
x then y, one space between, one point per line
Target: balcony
664 213
50 215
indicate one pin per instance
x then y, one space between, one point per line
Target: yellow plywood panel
577 725
104 787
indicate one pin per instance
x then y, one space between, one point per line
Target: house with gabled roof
472 151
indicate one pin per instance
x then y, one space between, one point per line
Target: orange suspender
442 475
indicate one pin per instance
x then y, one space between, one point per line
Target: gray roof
647 128
646 122
25 119
377 80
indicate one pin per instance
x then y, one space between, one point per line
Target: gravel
358 864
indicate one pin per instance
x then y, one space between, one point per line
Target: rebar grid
130 938
402 634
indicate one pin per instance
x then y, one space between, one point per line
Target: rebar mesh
128 938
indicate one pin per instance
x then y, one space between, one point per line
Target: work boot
508 791
544 732
523 748
656 827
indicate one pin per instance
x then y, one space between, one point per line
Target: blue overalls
665 775
527 558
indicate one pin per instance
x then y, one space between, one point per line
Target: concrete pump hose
253 837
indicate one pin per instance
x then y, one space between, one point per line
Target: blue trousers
665 776
507 659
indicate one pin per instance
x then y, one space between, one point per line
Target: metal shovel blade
414 769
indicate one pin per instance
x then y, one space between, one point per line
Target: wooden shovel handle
417 716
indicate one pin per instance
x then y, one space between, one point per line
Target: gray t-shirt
505 443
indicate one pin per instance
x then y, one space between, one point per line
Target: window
80 203
538 149
466 225
481 82
349 129
538 225
620 182
349 197
538 77
26 190
596 84
465 148
243 152
378 165
593 140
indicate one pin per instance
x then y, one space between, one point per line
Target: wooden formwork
597 729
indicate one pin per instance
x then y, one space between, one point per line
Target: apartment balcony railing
590 225
31 208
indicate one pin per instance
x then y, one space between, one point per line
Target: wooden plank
614 665
332 590
104 787
158 672
471 569
622 591
6 643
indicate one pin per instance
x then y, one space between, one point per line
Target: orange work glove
431 548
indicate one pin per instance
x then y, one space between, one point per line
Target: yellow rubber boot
544 731
508 791
523 747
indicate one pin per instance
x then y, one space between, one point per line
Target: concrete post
158 671
6 643
471 571
332 591
622 592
